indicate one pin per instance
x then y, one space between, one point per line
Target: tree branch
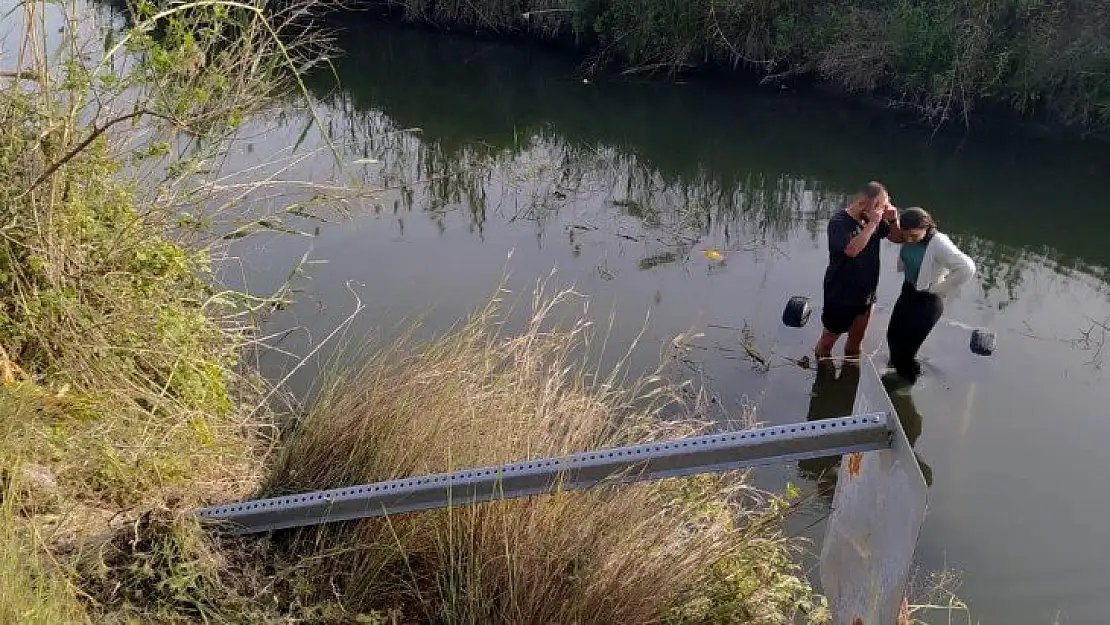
80 147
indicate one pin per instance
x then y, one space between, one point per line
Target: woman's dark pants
914 316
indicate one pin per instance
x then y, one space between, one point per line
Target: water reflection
740 152
834 395
902 399
623 186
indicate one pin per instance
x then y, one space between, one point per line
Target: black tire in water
797 312
982 342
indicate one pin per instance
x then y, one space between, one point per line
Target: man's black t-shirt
852 280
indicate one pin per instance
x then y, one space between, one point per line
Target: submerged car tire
797 312
982 342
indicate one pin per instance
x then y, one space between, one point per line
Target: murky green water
619 185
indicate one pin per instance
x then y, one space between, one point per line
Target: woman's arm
961 269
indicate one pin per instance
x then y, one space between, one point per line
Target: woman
935 269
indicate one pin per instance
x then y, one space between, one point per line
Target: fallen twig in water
759 361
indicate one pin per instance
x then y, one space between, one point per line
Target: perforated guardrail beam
651 461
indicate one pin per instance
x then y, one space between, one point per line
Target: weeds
944 59
32 588
105 320
121 389
698 550
935 600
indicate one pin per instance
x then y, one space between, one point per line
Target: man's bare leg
825 344
856 333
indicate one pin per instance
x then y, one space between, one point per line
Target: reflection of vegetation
544 172
632 208
1000 268
769 163
656 260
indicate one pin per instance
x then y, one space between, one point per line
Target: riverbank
125 398
1039 65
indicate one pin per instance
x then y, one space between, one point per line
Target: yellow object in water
713 254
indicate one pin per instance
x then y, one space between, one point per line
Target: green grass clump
29 592
33 589
105 318
120 389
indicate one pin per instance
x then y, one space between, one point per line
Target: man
852 277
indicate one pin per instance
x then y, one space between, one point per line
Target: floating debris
713 254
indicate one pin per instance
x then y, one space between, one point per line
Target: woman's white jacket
945 269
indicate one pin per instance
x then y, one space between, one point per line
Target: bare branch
80 147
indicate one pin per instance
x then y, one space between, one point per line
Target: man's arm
894 235
856 244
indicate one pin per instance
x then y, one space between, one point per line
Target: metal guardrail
866 557
652 461
878 510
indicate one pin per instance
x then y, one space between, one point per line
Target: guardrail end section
878 510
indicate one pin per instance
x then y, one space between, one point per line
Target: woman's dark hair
913 218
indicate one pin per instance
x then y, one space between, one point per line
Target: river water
498 159
619 184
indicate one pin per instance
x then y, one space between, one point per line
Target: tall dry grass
699 550
30 592
33 589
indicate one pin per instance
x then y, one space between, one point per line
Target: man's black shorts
837 318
